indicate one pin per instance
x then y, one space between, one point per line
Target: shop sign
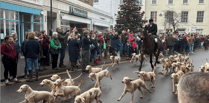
37 2
78 12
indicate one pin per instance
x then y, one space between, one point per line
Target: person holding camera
63 40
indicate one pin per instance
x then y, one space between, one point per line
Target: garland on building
129 16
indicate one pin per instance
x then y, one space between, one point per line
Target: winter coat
54 45
131 39
22 48
63 38
107 39
134 45
170 41
86 43
119 45
191 40
45 43
114 39
8 51
32 49
73 49
152 29
123 39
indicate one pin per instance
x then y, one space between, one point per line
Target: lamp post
51 16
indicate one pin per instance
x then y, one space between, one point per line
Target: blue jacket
114 39
119 45
85 43
17 48
32 49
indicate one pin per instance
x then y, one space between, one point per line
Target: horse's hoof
139 69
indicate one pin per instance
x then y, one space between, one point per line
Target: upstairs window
154 2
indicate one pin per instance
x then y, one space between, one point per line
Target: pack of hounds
66 88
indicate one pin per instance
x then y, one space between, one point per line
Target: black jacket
86 42
32 49
123 38
152 29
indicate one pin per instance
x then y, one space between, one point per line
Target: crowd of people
39 50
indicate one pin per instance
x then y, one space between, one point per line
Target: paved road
112 89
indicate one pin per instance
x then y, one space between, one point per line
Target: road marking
48 75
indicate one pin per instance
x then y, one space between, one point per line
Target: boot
30 76
37 74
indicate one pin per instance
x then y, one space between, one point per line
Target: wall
192 8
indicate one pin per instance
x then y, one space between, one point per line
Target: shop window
12 15
27 18
2 29
37 18
37 27
1 13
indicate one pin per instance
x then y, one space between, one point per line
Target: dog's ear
131 79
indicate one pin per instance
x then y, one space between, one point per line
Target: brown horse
148 47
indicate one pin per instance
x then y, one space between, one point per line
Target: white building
103 14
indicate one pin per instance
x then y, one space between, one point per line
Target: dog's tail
153 68
68 74
207 60
80 84
103 65
108 67
77 77
136 72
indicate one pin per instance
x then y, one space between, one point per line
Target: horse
148 47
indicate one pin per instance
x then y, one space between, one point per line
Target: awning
76 19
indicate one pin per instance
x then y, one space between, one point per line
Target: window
201 1
153 16
154 2
96 1
184 16
200 16
170 2
185 1
140 1
199 31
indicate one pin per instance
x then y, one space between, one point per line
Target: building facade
103 14
22 16
191 15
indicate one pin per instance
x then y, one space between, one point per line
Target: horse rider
152 30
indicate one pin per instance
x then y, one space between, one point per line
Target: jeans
124 48
127 49
191 47
85 59
171 49
31 63
93 54
62 55
163 48
26 67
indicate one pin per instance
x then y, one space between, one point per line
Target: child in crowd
134 46
119 46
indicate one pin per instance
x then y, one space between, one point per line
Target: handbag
104 45
51 51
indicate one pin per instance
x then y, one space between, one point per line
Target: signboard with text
37 2
78 12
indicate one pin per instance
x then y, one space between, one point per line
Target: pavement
21 65
112 89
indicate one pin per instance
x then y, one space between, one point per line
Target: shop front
19 19
76 18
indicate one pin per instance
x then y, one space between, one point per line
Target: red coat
45 41
8 51
134 45
99 36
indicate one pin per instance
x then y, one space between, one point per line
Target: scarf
56 41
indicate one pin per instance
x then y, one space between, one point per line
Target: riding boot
37 74
30 76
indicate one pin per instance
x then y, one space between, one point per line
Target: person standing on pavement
9 59
107 42
32 49
191 43
22 50
85 49
16 45
63 40
55 47
45 50
170 43
124 41
114 38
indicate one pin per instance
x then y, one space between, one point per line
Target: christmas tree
129 16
